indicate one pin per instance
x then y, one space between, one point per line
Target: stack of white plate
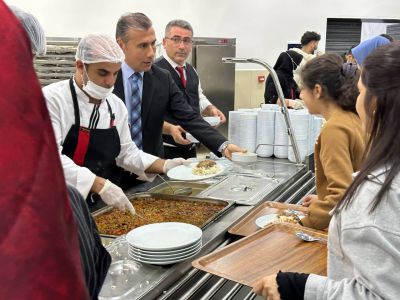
164 243
234 127
275 107
248 131
301 121
265 132
249 109
281 136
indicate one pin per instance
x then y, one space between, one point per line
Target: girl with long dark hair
364 234
329 88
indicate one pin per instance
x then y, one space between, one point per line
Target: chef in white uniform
91 126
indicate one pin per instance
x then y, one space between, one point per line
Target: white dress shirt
203 101
60 105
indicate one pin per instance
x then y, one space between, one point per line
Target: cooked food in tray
206 167
115 222
285 216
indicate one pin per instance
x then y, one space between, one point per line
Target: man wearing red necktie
178 45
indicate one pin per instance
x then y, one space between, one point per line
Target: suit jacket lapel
119 86
147 95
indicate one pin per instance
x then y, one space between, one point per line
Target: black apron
95 149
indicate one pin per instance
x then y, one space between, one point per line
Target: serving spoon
306 237
186 191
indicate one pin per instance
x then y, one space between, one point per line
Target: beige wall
249 92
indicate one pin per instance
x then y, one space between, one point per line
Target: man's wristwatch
223 147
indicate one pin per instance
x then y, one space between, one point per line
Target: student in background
309 45
284 67
349 57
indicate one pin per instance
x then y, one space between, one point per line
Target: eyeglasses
177 40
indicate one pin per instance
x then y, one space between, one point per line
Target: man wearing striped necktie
135 111
136 37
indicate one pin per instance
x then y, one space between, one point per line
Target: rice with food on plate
206 167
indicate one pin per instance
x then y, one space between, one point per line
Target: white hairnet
33 29
95 48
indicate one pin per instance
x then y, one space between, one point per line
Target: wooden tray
247 225
265 252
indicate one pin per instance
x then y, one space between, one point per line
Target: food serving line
244 187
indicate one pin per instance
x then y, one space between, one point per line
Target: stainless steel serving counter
181 281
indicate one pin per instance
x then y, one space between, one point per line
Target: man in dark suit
159 93
178 45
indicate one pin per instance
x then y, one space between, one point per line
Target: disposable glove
113 195
172 163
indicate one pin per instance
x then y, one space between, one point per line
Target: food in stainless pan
154 210
206 167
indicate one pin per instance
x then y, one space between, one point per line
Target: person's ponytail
349 91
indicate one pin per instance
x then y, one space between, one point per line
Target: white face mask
95 91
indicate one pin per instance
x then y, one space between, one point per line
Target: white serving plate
265 220
165 262
183 172
164 236
133 254
165 253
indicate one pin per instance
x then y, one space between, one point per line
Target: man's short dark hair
137 21
178 23
310 36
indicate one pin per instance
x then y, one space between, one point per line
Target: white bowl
244 157
213 121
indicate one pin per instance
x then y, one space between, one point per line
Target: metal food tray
131 197
243 189
163 188
125 277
